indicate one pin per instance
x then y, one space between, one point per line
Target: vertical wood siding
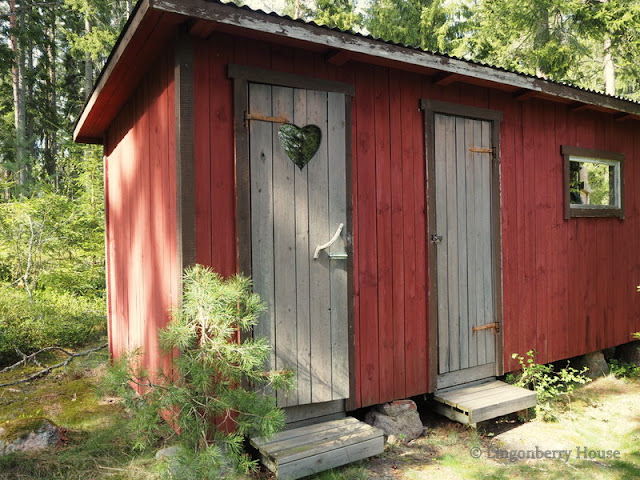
568 286
141 207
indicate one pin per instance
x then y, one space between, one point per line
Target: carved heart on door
300 143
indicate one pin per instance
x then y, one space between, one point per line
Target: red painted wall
568 286
142 267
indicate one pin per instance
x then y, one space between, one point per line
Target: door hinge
263 118
492 151
488 326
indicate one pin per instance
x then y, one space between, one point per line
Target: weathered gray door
293 211
464 249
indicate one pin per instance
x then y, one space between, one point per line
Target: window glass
593 183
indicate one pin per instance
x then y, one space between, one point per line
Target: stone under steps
311 449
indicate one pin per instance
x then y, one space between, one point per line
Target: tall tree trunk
18 79
540 40
609 68
29 78
88 62
52 146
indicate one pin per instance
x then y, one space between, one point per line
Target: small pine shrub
550 385
214 379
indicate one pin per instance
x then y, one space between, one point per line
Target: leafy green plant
45 318
213 381
550 385
621 369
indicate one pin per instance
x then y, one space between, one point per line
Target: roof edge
254 20
243 17
135 19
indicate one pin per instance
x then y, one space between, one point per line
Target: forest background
52 285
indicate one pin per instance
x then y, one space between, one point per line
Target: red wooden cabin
472 228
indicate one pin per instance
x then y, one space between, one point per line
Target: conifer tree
214 378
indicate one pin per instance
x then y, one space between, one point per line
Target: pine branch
48 370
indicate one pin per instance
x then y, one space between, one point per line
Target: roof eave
246 19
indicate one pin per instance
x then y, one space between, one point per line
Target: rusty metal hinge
264 118
491 151
495 326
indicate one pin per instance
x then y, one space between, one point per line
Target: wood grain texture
139 179
293 210
383 234
463 204
261 213
303 259
320 231
365 245
338 271
560 318
398 286
284 243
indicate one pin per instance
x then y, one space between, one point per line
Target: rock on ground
595 362
28 435
629 353
399 420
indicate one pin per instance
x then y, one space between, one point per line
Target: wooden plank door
465 249
293 210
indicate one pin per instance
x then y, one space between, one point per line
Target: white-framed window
593 183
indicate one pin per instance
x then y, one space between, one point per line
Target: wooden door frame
243 75
430 108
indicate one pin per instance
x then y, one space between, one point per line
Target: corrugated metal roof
98 110
419 49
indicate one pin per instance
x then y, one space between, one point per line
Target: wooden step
304 451
473 403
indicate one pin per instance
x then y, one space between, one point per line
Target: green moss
21 427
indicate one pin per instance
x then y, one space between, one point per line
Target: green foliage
105 17
532 36
29 323
433 25
335 14
52 241
620 369
550 385
339 14
52 265
212 379
599 181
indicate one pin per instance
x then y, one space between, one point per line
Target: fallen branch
47 370
26 358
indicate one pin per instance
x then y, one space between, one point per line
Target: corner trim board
185 182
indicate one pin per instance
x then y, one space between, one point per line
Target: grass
602 415
96 444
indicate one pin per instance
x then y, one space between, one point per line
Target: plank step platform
311 449
473 403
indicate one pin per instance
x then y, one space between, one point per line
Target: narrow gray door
464 250
294 210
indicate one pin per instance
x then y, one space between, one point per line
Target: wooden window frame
573 211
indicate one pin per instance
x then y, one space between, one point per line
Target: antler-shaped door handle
329 243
